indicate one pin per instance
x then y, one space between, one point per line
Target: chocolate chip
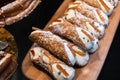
83 37
97 42
59 73
87 40
91 33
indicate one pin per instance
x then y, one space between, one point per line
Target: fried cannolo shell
89 11
65 29
16 10
54 66
56 45
104 5
5 61
76 18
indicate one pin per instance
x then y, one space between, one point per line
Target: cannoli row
89 11
78 35
104 5
61 48
76 18
58 69
5 58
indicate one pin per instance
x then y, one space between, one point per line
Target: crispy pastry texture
16 10
4 61
76 18
104 5
89 11
54 66
61 48
57 46
79 36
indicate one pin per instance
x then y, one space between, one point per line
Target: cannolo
76 18
78 35
89 11
58 69
61 48
104 5
5 58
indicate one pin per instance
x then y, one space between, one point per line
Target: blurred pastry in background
14 10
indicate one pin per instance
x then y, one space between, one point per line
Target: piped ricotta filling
69 54
108 12
84 38
63 72
82 60
95 46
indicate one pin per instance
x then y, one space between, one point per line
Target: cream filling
115 2
74 14
82 60
105 17
80 16
92 30
95 46
57 22
37 53
109 5
105 22
111 2
59 75
101 28
87 42
95 33
69 54
70 14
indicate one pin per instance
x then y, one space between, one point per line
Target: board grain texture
97 59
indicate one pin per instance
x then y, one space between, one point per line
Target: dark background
39 18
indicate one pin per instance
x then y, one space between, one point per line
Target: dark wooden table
39 18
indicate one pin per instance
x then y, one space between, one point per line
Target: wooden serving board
97 59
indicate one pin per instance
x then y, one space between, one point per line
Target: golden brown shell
16 10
